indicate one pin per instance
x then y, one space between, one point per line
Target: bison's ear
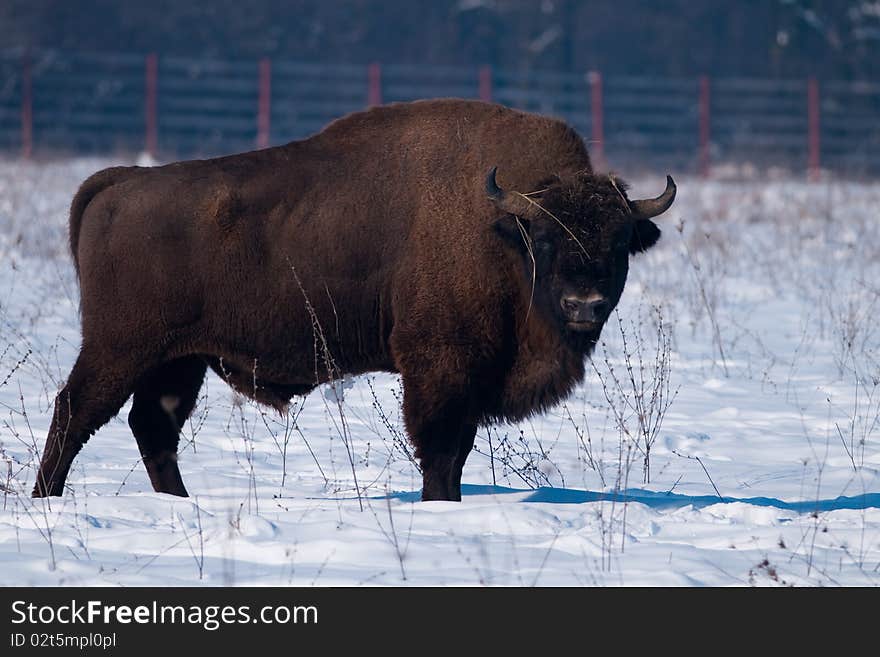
645 235
513 230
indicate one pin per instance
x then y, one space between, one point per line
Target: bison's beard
582 339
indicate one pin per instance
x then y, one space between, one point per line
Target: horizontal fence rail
66 102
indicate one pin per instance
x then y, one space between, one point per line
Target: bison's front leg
442 433
442 452
465 445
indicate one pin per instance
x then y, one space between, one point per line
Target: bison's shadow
655 500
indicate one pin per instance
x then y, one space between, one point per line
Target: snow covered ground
760 385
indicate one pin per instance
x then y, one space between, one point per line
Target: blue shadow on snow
657 500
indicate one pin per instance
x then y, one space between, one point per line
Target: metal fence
62 102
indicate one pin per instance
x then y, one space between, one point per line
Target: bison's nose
594 308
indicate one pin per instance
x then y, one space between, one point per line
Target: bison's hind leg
163 400
96 389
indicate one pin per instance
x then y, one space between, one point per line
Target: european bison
385 242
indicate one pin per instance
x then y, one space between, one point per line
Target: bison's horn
492 189
651 207
509 202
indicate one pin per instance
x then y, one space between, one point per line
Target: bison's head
575 237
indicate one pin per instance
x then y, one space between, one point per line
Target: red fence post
374 84
705 126
264 104
486 84
27 107
597 112
813 127
151 88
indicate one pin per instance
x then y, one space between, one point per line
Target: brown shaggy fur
381 225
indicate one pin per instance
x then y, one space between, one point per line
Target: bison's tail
87 191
